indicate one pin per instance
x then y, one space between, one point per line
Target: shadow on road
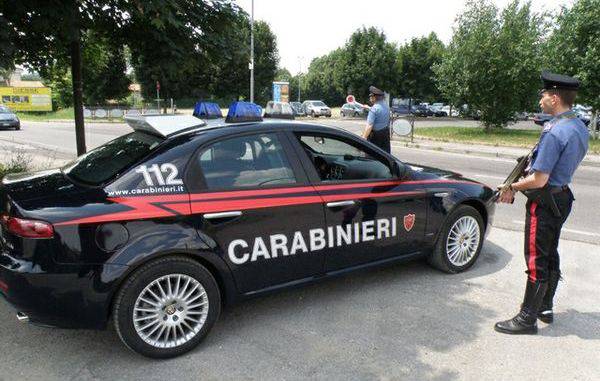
369 325
585 325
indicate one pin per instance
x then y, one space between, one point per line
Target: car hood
421 172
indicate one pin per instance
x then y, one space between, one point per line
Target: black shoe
525 323
547 316
522 324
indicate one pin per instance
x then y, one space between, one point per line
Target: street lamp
299 76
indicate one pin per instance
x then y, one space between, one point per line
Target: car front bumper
10 124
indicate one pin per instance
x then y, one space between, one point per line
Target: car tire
342 114
312 114
18 127
182 318
355 114
459 242
328 116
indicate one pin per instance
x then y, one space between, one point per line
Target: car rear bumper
66 296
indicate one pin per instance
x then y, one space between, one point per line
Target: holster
544 197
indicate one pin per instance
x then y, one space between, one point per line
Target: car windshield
110 159
4 110
319 103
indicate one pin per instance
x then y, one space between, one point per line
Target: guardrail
112 112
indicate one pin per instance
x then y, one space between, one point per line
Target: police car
158 229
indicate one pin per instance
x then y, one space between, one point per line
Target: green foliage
574 48
366 59
194 48
18 162
416 61
493 61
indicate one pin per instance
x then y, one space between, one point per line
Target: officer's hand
506 197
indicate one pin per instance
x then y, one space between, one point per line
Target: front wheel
459 242
166 307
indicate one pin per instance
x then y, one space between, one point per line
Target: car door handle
338 204
214 216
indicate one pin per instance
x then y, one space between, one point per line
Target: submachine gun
539 194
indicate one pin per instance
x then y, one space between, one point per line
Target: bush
16 164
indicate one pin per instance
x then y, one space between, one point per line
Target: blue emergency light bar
244 112
207 110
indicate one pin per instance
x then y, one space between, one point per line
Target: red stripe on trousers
532 237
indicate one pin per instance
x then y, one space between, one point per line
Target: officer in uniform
561 147
378 121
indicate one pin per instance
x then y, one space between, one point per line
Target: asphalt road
405 322
583 223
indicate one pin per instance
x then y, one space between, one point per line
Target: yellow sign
26 98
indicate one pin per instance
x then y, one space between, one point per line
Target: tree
493 61
367 59
417 59
574 48
168 38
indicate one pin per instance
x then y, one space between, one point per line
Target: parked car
279 110
541 118
9 119
422 110
353 109
298 110
436 108
191 216
453 112
316 109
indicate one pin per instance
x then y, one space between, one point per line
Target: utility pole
252 54
299 77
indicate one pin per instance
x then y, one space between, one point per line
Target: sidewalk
590 160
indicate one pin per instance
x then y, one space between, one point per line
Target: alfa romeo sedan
158 230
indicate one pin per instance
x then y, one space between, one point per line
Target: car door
252 203
371 214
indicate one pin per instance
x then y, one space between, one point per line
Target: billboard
281 91
26 98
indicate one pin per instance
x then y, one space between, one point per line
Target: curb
472 150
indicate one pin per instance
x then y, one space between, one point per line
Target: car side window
336 159
246 161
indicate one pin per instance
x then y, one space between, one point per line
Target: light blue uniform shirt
379 116
562 146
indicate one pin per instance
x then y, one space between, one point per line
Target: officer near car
377 130
561 148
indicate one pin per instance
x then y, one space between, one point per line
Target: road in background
59 140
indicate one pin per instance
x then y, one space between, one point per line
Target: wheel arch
213 263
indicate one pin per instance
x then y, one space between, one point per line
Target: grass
496 137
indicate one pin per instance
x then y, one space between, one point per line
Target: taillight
28 228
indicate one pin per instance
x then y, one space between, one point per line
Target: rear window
105 162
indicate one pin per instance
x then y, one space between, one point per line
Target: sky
310 28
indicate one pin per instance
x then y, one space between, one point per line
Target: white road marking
566 230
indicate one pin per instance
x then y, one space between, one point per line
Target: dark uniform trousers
542 232
381 138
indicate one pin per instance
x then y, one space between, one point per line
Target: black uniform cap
558 82
375 91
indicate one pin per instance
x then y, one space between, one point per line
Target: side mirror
402 127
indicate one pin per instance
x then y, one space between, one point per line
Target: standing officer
561 147
378 121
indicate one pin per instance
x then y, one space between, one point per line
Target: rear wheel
459 242
166 307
